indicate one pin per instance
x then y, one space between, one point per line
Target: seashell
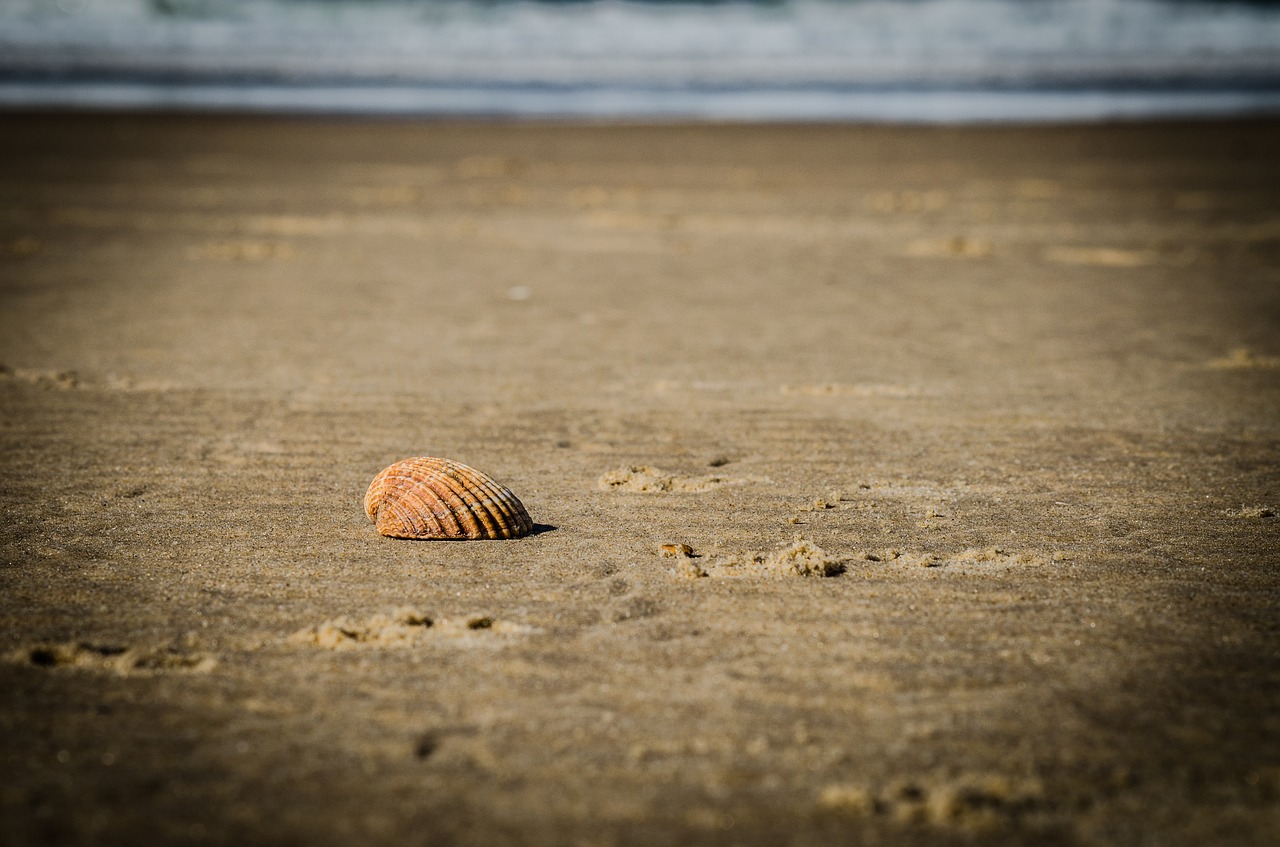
426 497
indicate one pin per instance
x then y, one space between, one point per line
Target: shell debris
431 498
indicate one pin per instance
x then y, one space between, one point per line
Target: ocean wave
652 49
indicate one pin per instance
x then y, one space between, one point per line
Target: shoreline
892 105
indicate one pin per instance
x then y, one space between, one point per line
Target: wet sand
1021 387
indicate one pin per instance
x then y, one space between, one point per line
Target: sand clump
801 558
642 479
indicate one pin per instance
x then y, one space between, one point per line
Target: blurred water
922 60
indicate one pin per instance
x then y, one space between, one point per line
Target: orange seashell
439 498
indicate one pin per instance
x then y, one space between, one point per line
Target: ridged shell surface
427 497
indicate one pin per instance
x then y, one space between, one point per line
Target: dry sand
1016 390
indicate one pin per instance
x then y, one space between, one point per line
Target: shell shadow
538 529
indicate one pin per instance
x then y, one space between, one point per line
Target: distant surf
880 60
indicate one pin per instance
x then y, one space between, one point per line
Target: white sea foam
880 59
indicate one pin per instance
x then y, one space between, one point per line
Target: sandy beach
1013 392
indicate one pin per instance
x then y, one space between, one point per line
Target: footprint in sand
989 559
1105 257
384 195
21 247
955 247
909 201
49 379
1038 189
1242 358
967 802
113 658
246 251
399 628
859 389
1251 512
489 167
